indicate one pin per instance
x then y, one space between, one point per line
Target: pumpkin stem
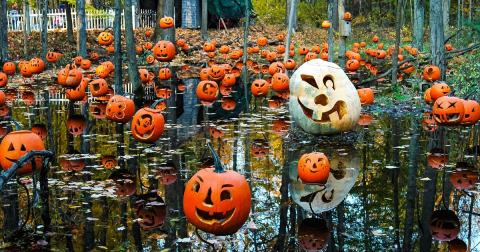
218 164
469 94
451 94
157 102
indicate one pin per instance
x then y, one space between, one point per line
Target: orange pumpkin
207 92
164 73
148 125
16 144
431 73
94 56
3 79
366 96
260 88
164 51
9 68
105 38
314 168
262 41
167 22
120 109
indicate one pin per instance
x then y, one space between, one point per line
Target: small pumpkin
76 124
99 87
148 125
51 57
86 64
290 64
109 161
125 182
167 22
228 102
314 168
262 41
9 68
431 73
366 96
280 82
326 24
105 38
276 67
259 88
120 109
164 51
3 79
207 92
151 210
313 234
464 176
164 73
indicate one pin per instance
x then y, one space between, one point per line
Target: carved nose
321 99
208 200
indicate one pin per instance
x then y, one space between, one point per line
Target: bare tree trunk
446 13
158 29
287 17
68 10
330 30
3 32
44 31
342 42
81 29
437 38
204 24
26 17
418 22
398 41
169 10
131 55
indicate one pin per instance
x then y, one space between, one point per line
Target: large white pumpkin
323 101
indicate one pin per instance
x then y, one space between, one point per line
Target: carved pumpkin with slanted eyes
314 168
207 92
109 162
472 112
228 103
217 201
148 125
167 22
16 144
3 79
9 68
36 65
260 88
125 182
151 209
448 110
444 225
52 57
323 101
105 38
76 124
164 51
120 109
464 176
216 73
313 234
439 89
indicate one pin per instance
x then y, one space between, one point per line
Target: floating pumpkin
313 234
260 88
164 51
472 112
431 73
366 96
167 22
228 102
216 73
217 201
120 109
444 225
109 161
99 87
314 168
151 210
464 176
9 68
105 38
326 24
148 125
76 124
16 144
280 82
207 92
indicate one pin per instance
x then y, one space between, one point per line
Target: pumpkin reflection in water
260 148
344 170
109 162
464 176
313 234
167 174
73 161
125 182
437 158
444 225
151 209
15 145
457 245
40 130
76 124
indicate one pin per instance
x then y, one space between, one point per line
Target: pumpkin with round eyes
260 88
280 49
229 80
464 176
280 37
326 24
16 144
125 182
427 96
217 201
236 54
444 225
9 68
208 47
148 46
151 210
163 91
472 112
380 54
280 82
164 73
51 57
276 67
216 73
99 87
313 234
25 71
148 125
228 103
303 50
167 22
76 124
78 93
98 109
437 158
323 101
207 92
181 42
366 96
280 126
164 51
86 64
74 78
431 73
324 56
224 49
94 56
3 79
225 91
314 168
262 41
290 64
109 162
311 56
120 109
448 110
105 38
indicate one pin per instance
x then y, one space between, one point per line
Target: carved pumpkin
40 130
290 64
216 73
280 82
228 103
28 97
9 68
2 98
25 70
105 38
260 88
167 22
437 158
51 57
472 112
73 161
352 65
167 174
208 47
16 144
163 91
229 80
4 109
111 49
98 109
444 225
365 119
448 110
271 56
164 51
431 73
109 162
3 79
225 91
151 209
427 97
94 56
36 65
207 92
147 125
314 168
143 75
439 89
150 59
99 87
366 96
164 73
86 64
78 93
260 148
428 123
120 109
313 234
217 201
262 41
73 79
125 182
323 100
464 176
276 67
76 124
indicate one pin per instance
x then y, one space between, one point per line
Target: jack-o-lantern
311 56
204 74
181 87
9 68
207 92
431 73
280 82
76 124
275 102
40 130
11 94
216 131
224 49
428 123
148 125
150 59
426 96
464 176
109 66
73 161
216 73
280 49
99 87
236 54
164 73
78 93
276 67
164 51
109 162
62 76
51 57
167 174
280 126
314 168
366 96
28 98
181 42
125 182
260 148
74 78
271 56
25 70
313 234
167 22
472 112
98 109
448 110
163 91
352 65
290 64
2 98
303 50
323 100
262 41
36 65
437 158
444 225
3 79
217 201
94 56
148 45
16 144
143 75
225 91
260 88
228 102
4 109
457 245
208 47
151 209
105 38
229 80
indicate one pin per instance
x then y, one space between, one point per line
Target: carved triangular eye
23 148
310 80
11 148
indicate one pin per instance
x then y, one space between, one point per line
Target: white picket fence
98 19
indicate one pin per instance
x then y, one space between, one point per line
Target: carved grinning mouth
164 55
96 87
219 217
11 159
340 107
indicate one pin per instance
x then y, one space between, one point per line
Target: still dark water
380 196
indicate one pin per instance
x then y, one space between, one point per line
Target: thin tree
169 11
68 12
3 32
437 38
418 22
81 29
44 31
398 38
204 24
131 54
287 17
